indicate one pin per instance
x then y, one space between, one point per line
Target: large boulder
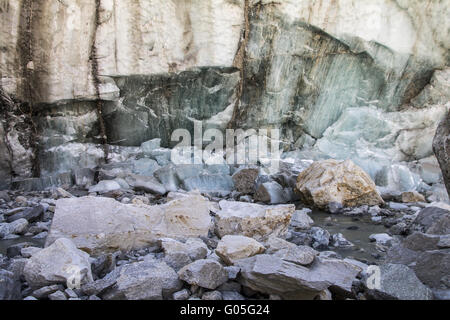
60 263
441 147
273 275
146 280
102 225
233 247
397 281
343 182
252 220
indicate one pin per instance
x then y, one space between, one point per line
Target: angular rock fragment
60 263
206 273
252 220
233 247
146 280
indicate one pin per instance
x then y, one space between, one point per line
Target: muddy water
355 229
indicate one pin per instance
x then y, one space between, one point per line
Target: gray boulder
397 281
272 275
205 273
146 280
60 263
432 268
433 219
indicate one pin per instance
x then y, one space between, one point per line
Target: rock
146 184
432 268
105 186
29 298
61 262
441 148
9 286
27 252
181 295
99 286
272 275
146 280
333 181
104 264
252 220
335 207
381 238
444 242
302 255
412 196
5 196
70 293
212 295
374 211
206 273
58 295
234 247
419 241
400 282
433 220
338 241
44 292
178 254
232 271
400 228
15 227
397 206
325 295
300 219
97 231
245 179
232 295
41 235
271 193
29 214
16 249
320 237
